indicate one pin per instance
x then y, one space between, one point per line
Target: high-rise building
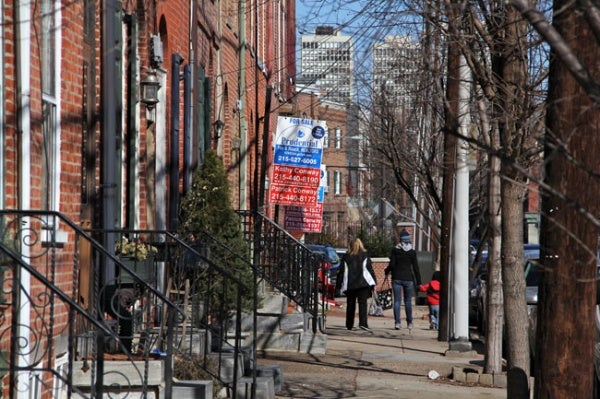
397 79
396 70
326 61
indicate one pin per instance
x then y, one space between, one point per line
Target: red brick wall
379 264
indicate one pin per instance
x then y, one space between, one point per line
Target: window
34 385
50 123
326 139
49 154
337 182
338 137
61 388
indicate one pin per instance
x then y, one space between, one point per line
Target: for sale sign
304 219
307 219
297 157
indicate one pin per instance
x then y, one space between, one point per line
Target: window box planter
145 269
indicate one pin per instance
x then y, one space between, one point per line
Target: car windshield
333 256
328 252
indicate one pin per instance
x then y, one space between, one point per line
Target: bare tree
508 84
510 69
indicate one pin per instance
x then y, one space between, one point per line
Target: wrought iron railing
73 307
287 265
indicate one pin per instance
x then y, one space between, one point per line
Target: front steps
281 327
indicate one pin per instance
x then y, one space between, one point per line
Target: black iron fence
86 318
286 265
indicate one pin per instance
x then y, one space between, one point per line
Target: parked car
331 256
341 252
478 290
533 272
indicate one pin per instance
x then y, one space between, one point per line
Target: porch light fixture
150 86
219 126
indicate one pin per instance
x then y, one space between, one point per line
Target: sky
367 21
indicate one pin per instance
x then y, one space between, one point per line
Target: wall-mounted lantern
150 86
236 143
219 126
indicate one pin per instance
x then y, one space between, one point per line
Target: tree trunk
495 303
565 333
513 277
510 110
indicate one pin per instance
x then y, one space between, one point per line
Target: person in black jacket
404 269
357 281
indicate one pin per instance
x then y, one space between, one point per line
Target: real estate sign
296 172
307 219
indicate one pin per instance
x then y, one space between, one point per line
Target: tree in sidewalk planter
378 244
209 224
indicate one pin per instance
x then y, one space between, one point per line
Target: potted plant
138 256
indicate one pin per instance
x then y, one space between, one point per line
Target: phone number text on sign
298 176
286 195
297 156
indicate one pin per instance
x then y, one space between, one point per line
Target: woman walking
358 280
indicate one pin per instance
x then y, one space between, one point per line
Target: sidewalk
381 363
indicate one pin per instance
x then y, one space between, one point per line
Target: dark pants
361 295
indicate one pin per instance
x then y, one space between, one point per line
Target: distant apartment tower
396 70
326 61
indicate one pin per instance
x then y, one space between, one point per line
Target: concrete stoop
122 373
193 389
274 371
279 331
279 327
265 388
269 381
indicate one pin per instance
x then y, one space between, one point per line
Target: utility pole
460 265
569 236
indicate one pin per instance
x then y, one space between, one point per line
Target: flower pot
144 269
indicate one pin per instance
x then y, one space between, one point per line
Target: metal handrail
286 264
130 316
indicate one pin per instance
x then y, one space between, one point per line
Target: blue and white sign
298 142
296 171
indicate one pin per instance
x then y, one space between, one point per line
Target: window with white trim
34 385
60 387
50 121
337 182
338 137
326 139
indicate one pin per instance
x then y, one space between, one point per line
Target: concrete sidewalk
381 363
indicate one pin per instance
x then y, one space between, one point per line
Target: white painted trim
23 81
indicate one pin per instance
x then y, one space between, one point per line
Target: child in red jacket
432 289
